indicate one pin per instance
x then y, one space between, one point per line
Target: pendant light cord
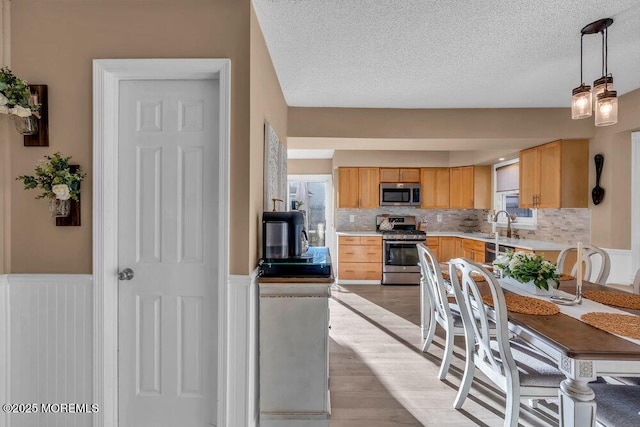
581 78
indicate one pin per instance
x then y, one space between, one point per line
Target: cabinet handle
348 253
348 271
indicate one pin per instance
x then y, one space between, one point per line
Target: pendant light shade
603 99
605 82
581 102
607 108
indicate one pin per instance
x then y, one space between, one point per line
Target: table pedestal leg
577 408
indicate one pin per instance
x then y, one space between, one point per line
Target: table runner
574 311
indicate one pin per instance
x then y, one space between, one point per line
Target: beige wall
309 166
391 158
611 219
54 42
550 123
267 105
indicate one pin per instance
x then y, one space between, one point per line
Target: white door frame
635 202
107 74
328 180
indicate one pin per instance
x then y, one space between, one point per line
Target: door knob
126 274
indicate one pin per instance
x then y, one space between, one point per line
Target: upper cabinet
369 191
399 175
435 188
470 187
555 175
348 187
358 188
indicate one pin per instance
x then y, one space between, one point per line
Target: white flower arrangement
16 97
55 178
527 267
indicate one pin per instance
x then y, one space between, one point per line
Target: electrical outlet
439 218
352 218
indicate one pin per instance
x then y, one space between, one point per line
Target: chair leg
512 413
430 332
467 378
448 353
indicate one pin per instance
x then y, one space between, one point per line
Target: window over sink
506 195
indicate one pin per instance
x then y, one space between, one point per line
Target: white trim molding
107 74
244 407
635 201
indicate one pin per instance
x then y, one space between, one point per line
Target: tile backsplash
554 225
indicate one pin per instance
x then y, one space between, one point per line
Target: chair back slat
435 282
592 256
478 316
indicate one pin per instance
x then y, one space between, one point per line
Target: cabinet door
466 187
528 177
459 250
549 156
348 187
435 188
369 188
410 175
433 243
455 187
447 248
389 175
461 188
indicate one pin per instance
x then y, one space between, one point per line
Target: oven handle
404 241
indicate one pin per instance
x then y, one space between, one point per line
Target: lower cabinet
359 258
294 353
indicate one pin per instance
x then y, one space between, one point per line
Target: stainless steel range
399 254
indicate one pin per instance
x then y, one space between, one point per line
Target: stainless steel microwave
399 194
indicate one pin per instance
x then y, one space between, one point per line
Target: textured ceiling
444 54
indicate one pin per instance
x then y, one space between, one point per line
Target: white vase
528 287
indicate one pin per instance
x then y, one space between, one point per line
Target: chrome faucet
495 218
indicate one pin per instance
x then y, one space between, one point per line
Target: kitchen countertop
534 245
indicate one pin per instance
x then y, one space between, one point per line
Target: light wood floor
379 376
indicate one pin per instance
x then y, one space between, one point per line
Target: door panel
168 311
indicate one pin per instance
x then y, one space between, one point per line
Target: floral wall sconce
60 184
28 107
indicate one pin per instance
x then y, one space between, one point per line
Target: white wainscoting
243 408
622 271
46 346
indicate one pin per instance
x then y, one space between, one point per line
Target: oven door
401 256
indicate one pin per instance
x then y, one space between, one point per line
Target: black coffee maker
283 236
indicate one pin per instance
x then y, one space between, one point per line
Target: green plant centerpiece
15 96
54 177
527 267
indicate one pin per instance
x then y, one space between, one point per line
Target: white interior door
167 312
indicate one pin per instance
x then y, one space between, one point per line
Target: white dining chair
435 303
592 256
617 405
518 370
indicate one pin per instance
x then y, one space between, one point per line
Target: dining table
583 352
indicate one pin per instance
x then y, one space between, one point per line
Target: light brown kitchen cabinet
470 187
473 249
447 248
399 175
358 188
435 188
348 187
555 175
433 243
369 188
359 258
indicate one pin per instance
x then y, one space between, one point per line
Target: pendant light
581 96
604 99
